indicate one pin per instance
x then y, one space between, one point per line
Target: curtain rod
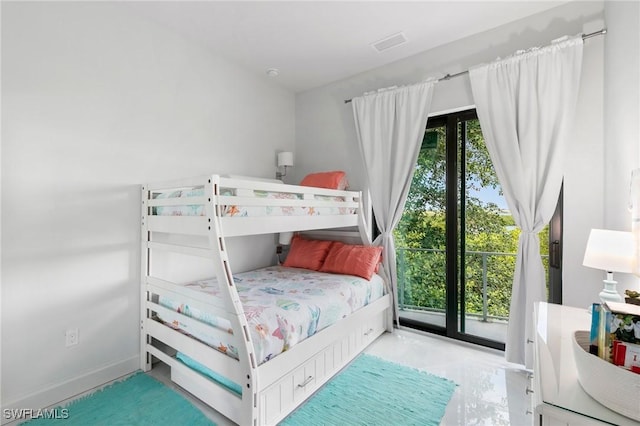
449 76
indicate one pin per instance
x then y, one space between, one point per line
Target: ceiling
313 43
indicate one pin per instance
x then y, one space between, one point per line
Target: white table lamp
611 251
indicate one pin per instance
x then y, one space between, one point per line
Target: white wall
325 135
621 116
94 103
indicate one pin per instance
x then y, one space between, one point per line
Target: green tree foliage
490 235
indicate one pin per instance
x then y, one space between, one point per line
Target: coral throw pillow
361 261
307 254
330 180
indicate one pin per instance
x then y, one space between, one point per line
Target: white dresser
558 397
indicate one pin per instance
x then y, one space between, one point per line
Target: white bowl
612 386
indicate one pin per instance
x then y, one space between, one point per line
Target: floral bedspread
283 306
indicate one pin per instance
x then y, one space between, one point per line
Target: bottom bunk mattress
283 306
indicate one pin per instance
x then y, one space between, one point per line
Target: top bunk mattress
283 306
296 208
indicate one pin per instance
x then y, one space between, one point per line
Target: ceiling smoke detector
273 72
389 42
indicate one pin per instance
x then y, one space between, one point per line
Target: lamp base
609 292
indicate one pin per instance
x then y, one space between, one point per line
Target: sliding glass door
456 242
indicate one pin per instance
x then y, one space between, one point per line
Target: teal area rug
372 391
138 400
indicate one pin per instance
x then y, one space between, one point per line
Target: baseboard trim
72 388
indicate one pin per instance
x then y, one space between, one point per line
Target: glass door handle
554 254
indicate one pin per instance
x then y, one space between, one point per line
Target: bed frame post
145 357
363 229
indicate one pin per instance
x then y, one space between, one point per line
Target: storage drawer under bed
279 399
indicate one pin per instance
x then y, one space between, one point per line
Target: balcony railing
472 266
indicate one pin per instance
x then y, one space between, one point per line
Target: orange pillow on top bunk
330 180
361 261
307 254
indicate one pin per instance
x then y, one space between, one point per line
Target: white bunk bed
220 208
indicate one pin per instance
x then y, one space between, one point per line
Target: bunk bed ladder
246 352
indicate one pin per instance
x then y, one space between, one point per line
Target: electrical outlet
71 337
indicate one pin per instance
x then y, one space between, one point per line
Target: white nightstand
558 397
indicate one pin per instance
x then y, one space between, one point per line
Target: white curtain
390 126
525 105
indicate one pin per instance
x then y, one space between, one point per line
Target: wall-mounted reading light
285 159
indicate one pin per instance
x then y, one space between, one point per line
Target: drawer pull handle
306 382
368 332
529 391
530 341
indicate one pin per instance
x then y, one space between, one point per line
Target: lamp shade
285 238
285 159
610 251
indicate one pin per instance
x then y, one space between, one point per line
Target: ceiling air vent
389 42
